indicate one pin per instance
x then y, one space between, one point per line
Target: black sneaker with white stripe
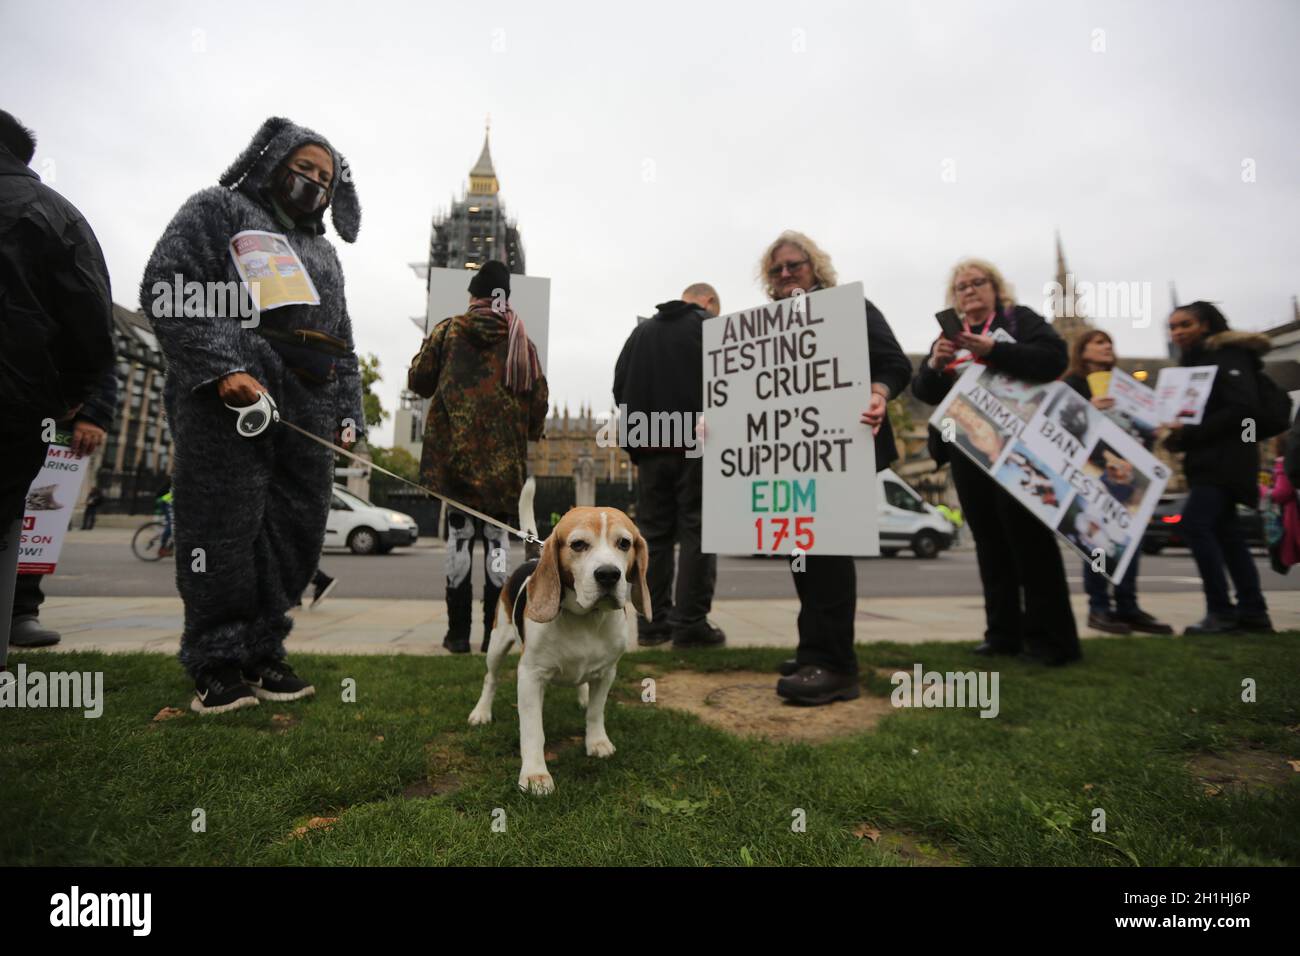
275 680
219 690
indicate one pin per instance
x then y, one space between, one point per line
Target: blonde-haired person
1093 351
1026 597
824 668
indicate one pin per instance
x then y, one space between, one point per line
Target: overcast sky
644 147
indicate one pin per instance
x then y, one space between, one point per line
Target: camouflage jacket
477 433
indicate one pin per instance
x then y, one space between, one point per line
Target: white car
366 528
909 521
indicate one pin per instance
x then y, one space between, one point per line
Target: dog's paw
479 716
600 747
538 784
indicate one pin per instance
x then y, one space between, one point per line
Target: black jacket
1216 453
659 369
1080 384
1039 354
1291 456
56 311
889 366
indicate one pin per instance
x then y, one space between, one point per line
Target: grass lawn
1131 731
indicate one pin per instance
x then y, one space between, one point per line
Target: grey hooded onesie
256 507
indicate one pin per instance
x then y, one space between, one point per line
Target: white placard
1075 469
50 501
530 297
1183 391
787 463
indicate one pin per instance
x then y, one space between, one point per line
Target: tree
370 404
397 460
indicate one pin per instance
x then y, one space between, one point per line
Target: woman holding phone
1090 353
1026 597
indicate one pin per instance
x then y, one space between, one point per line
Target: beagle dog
567 608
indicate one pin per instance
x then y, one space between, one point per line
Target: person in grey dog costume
250 512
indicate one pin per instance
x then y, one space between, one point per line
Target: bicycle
147 542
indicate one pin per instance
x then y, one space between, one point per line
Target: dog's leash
258 417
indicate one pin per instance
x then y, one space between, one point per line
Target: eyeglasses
780 267
972 284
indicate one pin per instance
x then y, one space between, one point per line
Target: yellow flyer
1099 383
271 270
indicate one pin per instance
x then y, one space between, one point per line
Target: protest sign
787 462
1080 473
1136 409
530 297
1183 391
271 270
50 500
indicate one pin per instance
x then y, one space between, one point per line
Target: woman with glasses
1026 597
825 668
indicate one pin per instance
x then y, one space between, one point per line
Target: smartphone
950 323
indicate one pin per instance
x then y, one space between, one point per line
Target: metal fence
130 492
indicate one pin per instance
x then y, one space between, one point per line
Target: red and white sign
50 501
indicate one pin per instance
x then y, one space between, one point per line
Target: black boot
813 686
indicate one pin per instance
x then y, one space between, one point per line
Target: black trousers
1212 531
670 493
1026 596
88 518
28 596
828 602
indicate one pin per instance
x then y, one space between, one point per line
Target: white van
909 521
365 528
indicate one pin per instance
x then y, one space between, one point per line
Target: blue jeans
1098 587
1210 529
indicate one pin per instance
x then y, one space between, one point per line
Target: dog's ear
544 586
636 577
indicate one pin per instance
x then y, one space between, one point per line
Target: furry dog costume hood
272 146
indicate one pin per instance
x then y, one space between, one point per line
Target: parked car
1162 529
366 528
908 521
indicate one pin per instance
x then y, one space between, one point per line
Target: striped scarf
522 367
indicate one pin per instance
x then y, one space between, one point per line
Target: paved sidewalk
367 626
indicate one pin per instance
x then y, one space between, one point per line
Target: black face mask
304 195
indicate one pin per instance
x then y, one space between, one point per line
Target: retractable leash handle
256 418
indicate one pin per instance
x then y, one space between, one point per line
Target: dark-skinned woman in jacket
1221 466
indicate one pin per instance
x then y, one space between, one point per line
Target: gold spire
483 178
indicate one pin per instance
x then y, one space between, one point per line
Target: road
100 563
